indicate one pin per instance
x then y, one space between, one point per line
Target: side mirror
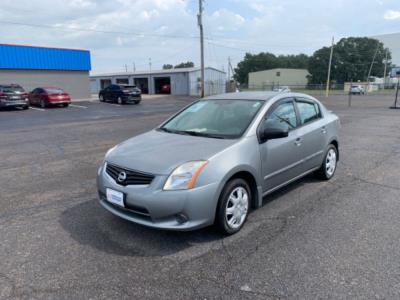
273 133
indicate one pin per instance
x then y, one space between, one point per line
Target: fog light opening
181 218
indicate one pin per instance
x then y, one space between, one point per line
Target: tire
137 102
230 222
43 104
329 165
101 98
65 104
25 107
120 101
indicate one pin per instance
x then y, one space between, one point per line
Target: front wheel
329 164
120 101
65 104
233 206
25 107
101 98
43 104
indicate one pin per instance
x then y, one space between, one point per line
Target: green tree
188 64
265 61
351 60
167 66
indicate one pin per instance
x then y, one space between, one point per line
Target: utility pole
126 68
229 69
385 70
329 69
150 64
370 68
200 23
134 67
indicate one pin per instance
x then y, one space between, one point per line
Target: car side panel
241 156
313 142
281 160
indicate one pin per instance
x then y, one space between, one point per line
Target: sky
123 34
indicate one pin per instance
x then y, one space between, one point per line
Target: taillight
2 95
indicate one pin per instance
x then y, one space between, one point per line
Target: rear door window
308 111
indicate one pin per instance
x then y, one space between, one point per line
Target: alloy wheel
237 207
330 163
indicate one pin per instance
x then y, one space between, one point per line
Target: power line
63 28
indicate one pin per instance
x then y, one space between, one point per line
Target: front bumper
151 206
11 103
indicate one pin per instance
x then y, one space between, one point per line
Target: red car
46 96
166 89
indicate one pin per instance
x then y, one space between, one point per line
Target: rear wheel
328 167
233 206
101 98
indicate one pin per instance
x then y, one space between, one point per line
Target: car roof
257 96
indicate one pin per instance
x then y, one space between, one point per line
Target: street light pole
200 23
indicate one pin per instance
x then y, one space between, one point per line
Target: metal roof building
276 77
31 67
182 81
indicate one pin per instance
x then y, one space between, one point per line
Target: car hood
159 152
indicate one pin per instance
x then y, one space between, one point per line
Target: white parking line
79 106
115 104
40 109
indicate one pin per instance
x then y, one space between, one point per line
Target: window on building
278 74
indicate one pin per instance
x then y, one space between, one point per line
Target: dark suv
13 95
121 94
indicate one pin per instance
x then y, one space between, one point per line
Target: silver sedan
217 158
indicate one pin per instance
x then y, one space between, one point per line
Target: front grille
132 177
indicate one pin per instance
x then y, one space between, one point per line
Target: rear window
12 88
128 87
54 91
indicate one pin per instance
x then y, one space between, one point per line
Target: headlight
184 177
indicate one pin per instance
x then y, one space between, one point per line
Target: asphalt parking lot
338 239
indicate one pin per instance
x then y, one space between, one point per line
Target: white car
357 90
282 89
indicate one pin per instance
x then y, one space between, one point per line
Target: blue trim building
32 66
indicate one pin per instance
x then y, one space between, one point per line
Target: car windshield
13 88
54 91
214 118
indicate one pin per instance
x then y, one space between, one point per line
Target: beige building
280 76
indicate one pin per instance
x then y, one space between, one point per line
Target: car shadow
288 188
90 224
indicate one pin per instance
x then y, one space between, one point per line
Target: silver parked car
282 89
357 90
215 160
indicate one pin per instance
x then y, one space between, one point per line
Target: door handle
297 142
323 129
